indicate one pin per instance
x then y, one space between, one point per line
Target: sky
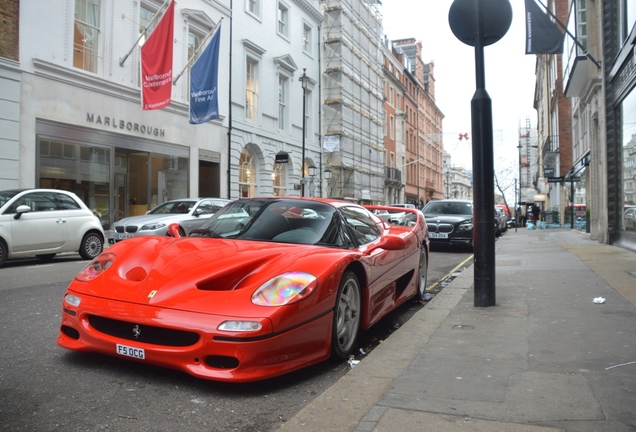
509 75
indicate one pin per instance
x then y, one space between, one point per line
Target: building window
279 179
283 20
86 35
283 83
194 43
247 175
251 89
307 38
581 23
392 127
253 7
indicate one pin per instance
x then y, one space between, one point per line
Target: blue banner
204 76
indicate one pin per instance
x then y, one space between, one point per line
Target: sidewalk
545 358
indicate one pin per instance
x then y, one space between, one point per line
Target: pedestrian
536 211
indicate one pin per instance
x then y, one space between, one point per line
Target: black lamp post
479 23
304 82
312 173
328 175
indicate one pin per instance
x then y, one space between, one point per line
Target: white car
189 213
45 222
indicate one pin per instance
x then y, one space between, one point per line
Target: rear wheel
346 320
422 275
92 245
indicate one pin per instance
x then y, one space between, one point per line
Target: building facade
594 151
80 125
424 164
275 118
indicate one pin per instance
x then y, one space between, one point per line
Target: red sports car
266 286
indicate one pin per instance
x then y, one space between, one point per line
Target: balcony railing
393 173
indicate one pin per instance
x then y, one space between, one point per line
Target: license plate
133 352
123 236
438 235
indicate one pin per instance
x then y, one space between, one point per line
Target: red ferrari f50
265 287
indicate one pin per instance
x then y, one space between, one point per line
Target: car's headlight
152 226
240 326
285 289
95 267
73 300
465 226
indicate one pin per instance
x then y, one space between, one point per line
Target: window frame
283 18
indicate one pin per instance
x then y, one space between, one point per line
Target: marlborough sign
126 125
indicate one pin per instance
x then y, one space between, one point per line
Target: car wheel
346 320
46 257
181 232
422 273
3 253
92 245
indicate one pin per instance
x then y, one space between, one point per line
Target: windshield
173 207
448 208
7 195
278 220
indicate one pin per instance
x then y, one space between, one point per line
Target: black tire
3 253
46 257
346 317
181 232
91 246
422 275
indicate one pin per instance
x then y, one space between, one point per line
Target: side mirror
173 230
21 209
387 242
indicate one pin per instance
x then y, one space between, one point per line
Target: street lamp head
304 79
312 170
327 174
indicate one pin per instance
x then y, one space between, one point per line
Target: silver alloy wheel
92 245
422 273
347 320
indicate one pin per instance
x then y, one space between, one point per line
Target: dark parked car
450 222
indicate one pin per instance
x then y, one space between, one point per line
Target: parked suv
45 222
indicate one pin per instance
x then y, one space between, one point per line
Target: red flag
156 64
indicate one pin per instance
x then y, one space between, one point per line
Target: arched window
279 179
247 175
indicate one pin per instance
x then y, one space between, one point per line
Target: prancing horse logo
136 331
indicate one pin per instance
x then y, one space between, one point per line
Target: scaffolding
528 163
353 108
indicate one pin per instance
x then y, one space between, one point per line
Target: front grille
145 333
128 229
440 228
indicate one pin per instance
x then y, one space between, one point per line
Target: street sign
555 179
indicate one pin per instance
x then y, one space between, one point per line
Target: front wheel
346 320
92 245
3 253
422 275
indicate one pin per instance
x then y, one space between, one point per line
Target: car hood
150 218
452 219
197 274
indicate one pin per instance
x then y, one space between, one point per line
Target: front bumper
103 326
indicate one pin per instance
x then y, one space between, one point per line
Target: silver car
189 213
45 222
